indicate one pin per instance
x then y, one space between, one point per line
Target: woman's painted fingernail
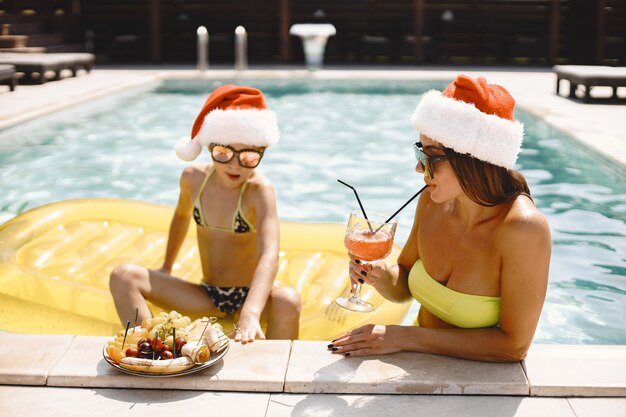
335 349
334 340
361 281
330 346
357 261
364 273
346 354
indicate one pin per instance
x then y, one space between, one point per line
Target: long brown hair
485 183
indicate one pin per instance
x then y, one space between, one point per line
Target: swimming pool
359 131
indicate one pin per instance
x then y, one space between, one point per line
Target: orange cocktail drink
367 245
369 240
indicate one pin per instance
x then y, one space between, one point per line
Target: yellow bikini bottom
459 309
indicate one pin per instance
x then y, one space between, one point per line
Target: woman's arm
180 221
526 248
268 236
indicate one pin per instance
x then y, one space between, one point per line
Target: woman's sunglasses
428 162
247 158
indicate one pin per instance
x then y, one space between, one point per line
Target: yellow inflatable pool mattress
55 262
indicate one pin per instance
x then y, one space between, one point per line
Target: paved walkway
66 375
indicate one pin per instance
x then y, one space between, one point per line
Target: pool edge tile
83 365
28 365
312 369
576 370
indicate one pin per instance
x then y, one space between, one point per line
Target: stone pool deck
46 375
64 375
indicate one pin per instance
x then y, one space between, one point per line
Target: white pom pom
187 149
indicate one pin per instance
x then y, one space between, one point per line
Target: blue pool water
359 131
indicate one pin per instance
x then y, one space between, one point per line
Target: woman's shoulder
524 220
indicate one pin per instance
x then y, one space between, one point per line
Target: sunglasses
428 162
247 158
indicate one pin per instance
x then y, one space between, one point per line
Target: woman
478 255
234 208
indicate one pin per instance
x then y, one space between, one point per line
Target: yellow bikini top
459 309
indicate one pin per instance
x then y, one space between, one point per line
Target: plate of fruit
168 344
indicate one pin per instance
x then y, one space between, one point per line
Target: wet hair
485 183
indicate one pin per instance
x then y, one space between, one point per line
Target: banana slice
167 366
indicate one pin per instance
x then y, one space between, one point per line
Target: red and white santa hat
472 117
231 114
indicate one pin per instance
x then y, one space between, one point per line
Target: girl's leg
283 313
133 285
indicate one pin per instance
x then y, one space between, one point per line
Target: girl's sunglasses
428 162
247 158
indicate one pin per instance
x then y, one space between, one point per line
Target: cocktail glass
368 240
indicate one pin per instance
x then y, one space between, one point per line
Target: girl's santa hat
231 114
472 117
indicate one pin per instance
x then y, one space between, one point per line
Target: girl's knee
125 277
285 298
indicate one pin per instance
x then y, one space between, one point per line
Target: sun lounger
7 76
41 64
589 77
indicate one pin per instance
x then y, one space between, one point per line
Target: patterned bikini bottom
227 299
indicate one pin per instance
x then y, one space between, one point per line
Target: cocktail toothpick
135 322
125 333
156 335
205 327
174 337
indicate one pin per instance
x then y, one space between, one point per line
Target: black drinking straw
359 200
403 206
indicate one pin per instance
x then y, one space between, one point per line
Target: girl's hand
369 273
165 270
371 339
248 330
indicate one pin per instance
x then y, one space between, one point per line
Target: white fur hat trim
461 126
187 149
248 127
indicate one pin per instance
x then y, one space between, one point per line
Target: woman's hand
369 273
247 330
371 339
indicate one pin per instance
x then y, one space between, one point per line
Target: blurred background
369 32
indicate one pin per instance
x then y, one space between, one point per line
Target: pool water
357 131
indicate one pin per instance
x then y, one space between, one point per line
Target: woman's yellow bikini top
459 309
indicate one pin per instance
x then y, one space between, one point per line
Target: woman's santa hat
231 114
472 117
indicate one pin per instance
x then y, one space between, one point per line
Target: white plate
213 359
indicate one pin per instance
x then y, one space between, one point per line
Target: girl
234 208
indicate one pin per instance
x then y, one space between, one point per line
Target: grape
169 341
180 323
